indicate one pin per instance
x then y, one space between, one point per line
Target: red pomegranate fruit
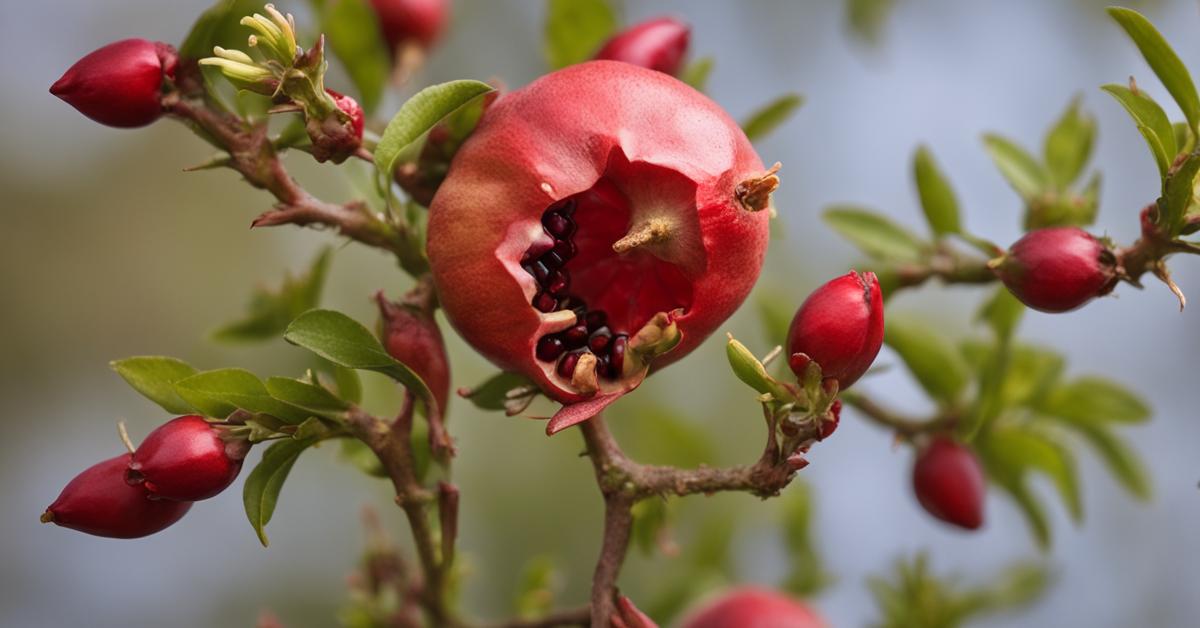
100 502
1057 269
749 607
603 220
949 483
119 84
840 327
186 459
658 44
411 21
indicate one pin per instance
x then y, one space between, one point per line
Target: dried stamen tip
584 378
653 231
47 517
754 193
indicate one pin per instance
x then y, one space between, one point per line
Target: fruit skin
351 108
186 459
658 44
556 138
412 337
949 483
840 327
100 502
120 84
1057 269
749 607
403 21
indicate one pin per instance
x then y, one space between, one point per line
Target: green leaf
875 234
1022 171
1163 60
1092 400
352 29
219 392
311 397
1012 452
261 491
697 72
937 197
271 311
218 26
1009 473
770 116
1177 194
349 384
932 359
155 377
1121 460
1002 312
807 575
358 454
492 394
345 342
1151 121
420 114
866 18
1068 145
575 30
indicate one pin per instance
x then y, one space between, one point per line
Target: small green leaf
349 384
1007 470
575 30
932 359
1092 400
1163 60
345 342
1151 121
937 197
1121 460
1022 171
155 377
358 454
875 234
770 116
219 392
1178 188
747 367
261 491
1068 145
352 30
1014 451
315 399
271 311
218 26
492 394
1002 312
697 72
420 114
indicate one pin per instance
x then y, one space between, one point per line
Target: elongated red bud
1057 269
658 44
186 459
411 21
840 327
100 502
949 483
120 84
412 337
748 606
630 616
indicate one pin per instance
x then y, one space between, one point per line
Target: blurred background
108 250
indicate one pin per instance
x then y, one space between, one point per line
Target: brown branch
948 266
903 426
571 617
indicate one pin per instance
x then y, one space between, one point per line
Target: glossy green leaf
493 393
349 384
219 392
1178 188
352 31
697 72
937 197
155 377
1022 171
933 360
575 30
418 115
1002 312
1163 60
768 118
218 26
1068 145
311 397
271 311
875 234
1093 400
261 491
1151 121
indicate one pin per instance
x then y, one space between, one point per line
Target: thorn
1160 271
286 108
220 160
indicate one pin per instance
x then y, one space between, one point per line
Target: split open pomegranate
600 222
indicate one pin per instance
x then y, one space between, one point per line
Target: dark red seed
558 225
544 302
604 366
557 282
575 305
566 366
564 249
567 207
598 341
527 267
596 319
549 348
575 337
540 272
616 355
553 260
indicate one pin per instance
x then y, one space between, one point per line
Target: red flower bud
949 483
658 44
120 84
754 608
415 21
1057 269
351 108
99 502
412 337
629 616
829 425
840 327
186 459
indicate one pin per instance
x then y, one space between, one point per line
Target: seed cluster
591 333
